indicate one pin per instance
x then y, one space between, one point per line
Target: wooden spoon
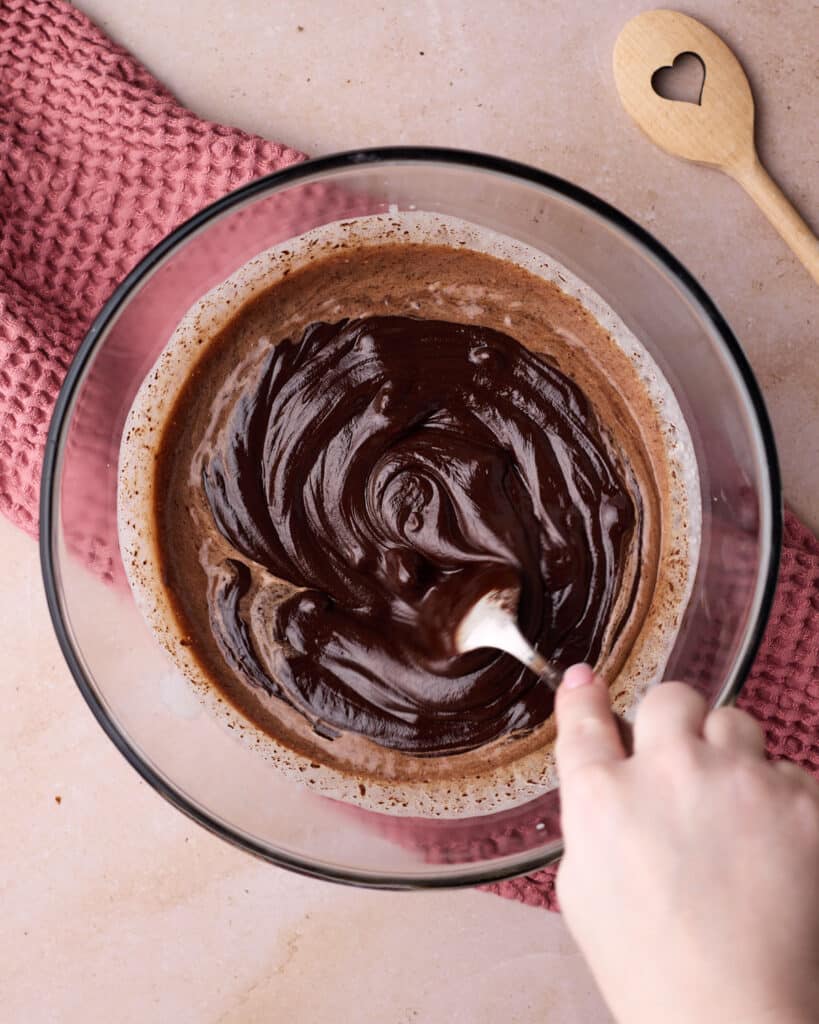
719 129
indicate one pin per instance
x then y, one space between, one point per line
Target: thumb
587 731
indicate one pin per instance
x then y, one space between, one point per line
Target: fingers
586 729
668 712
735 730
796 773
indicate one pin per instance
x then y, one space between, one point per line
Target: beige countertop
115 907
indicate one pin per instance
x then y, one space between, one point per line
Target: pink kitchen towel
98 163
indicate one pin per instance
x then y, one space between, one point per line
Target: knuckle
719 730
671 695
679 756
586 731
723 718
731 724
735 720
751 783
595 785
589 727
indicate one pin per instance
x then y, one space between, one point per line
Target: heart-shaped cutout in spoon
682 81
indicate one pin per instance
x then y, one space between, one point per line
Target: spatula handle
552 675
776 206
549 673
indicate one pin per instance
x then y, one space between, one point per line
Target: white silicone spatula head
492 622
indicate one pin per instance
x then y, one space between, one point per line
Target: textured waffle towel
98 163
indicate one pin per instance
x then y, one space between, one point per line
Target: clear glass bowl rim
468 875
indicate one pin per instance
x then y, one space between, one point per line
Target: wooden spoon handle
776 206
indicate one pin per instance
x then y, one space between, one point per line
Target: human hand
690 879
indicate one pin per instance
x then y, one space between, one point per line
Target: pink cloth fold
98 163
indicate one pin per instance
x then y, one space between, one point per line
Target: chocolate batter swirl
393 469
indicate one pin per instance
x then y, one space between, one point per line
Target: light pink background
115 908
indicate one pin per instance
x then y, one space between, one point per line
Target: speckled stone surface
533 81
115 906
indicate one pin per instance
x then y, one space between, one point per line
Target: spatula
492 622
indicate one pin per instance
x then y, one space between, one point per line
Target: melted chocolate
394 469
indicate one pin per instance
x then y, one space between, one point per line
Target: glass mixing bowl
185 752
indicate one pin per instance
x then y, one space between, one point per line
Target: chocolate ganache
392 469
